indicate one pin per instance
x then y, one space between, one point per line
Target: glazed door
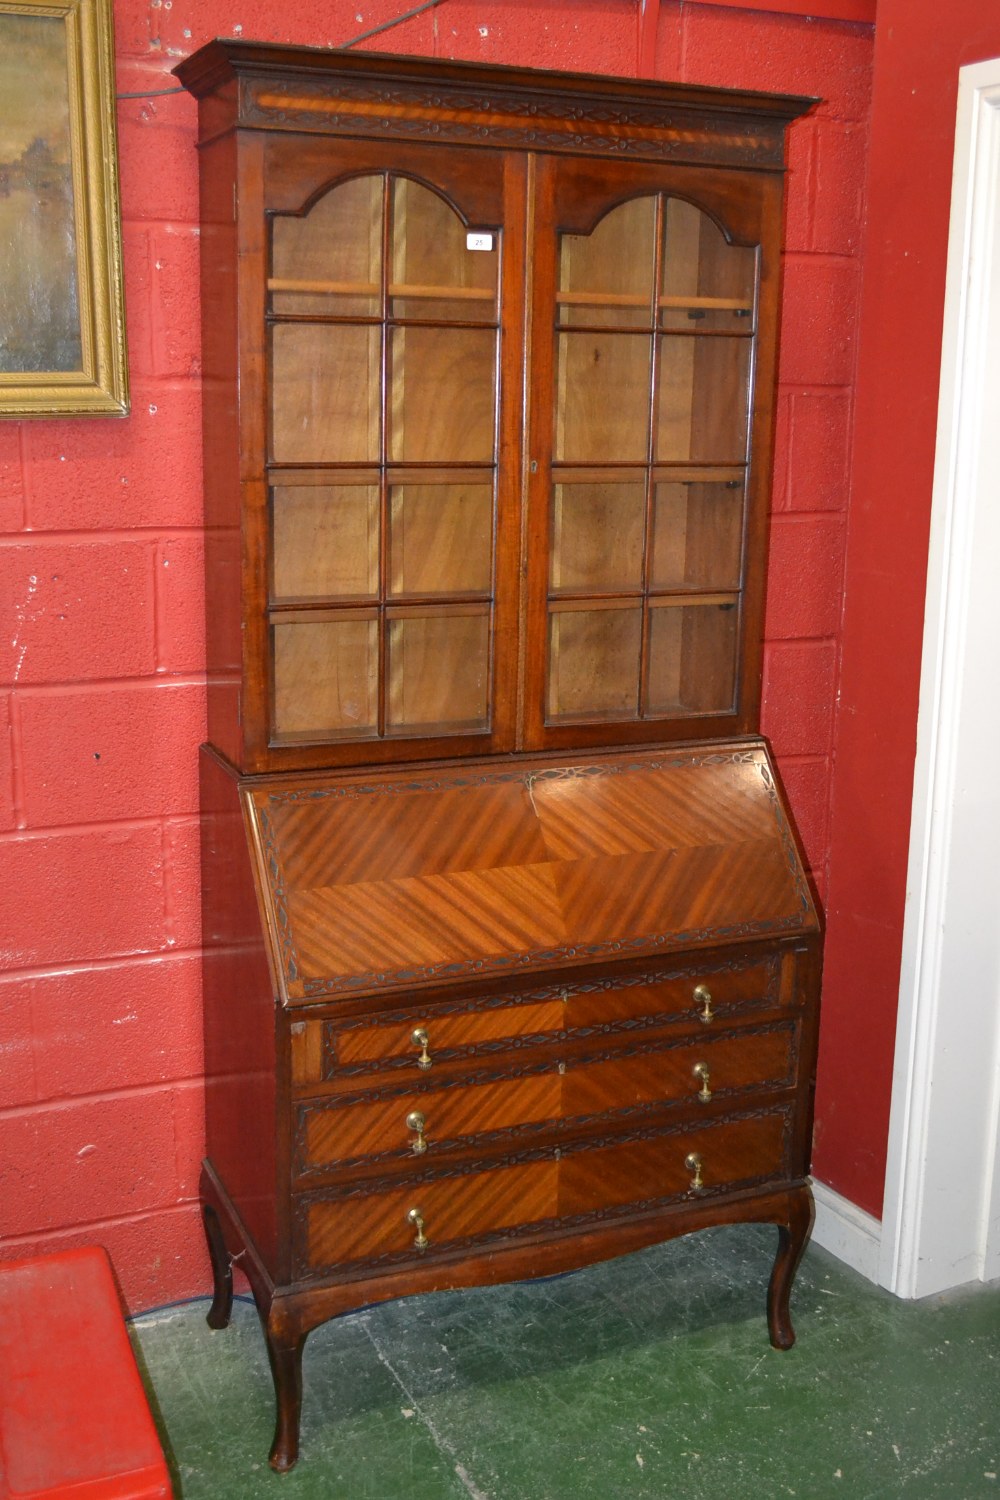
649 440
388 520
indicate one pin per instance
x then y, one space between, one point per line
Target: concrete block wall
101 601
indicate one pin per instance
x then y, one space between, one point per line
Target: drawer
546 1190
565 1094
347 1131
709 993
450 1035
474 1027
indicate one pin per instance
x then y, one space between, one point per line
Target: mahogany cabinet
511 961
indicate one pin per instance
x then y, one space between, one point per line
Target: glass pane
441 394
602 397
438 672
325 541
597 532
594 663
692 658
325 677
697 535
329 260
430 254
324 393
607 276
440 539
706 282
703 399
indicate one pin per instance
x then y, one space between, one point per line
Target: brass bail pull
420 1039
693 1163
703 999
416 1219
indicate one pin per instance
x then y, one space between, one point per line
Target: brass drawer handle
416 1122
693 1163
700 1070
417 1220
703 997
420 1039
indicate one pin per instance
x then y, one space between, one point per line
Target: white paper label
478 241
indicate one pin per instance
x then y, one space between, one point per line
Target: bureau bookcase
511 963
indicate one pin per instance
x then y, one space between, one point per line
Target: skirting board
847 1232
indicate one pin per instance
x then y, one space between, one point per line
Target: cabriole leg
222 1270
285 1353
792 1241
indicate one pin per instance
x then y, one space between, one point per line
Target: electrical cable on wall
362 36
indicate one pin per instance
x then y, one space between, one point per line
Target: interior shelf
630 299
487 294
372 289
566 603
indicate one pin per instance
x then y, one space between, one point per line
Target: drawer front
470 1028
708 994
693 1073
347 1131
351 1129
448 1035
544 1191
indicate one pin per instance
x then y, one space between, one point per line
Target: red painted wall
101 648
917 57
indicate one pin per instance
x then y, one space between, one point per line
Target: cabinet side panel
806 962
220 416
761 451
241 1065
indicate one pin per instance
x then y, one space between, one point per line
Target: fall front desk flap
379 881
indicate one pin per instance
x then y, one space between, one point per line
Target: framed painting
62 322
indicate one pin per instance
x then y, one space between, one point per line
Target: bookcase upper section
489 366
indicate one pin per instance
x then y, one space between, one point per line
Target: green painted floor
649 1376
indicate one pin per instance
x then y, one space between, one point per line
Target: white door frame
941 1218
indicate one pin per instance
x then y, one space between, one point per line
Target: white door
941 1222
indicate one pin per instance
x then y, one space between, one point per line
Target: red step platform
74 1421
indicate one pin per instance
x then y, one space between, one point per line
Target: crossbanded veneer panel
435 919
411 877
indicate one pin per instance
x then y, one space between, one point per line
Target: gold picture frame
62 319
